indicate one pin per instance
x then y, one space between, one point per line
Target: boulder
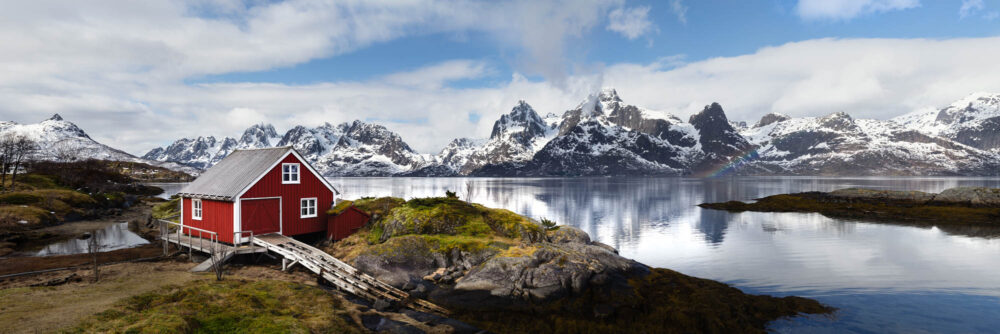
892 195
973 196
568 234
553 271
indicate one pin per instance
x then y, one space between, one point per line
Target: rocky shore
506 273
958 209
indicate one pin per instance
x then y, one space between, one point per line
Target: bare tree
24 148
65 154
6 157
218 255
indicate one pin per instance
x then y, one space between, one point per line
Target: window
308 208
289 173
196 209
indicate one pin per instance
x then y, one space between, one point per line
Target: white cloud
969 7
677 6
119 69
870 78
630 22
435 76
849 9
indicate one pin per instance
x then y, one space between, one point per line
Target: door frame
281 224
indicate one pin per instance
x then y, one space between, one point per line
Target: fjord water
881 277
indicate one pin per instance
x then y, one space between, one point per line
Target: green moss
339 208
378 207
167 209
19 198
449 216
225 307
38 181
73 198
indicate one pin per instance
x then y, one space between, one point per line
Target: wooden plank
340 273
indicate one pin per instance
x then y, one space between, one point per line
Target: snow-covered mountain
346 149
603 135
973 120
314 143
203 152
61 140
515 139
367 149
838 144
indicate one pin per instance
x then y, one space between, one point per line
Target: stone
861 193
568 234
974 196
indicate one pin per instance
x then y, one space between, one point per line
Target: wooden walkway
341 274
205 245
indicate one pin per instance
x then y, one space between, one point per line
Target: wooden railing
212 240
238 237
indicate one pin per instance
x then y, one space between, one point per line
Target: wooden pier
341 274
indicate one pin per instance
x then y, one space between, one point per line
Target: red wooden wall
346 223
309 186
216 216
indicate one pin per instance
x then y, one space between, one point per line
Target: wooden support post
165 236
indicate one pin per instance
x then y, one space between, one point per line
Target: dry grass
48 309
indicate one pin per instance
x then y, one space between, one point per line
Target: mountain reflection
617 211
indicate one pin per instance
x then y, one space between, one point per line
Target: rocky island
954 208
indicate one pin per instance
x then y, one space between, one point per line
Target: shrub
450 194
549 225
167 209
20 198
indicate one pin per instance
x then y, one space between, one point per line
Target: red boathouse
270 190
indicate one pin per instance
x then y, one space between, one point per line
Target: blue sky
711 28
137 75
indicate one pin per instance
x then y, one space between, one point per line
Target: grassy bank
51 193
231 306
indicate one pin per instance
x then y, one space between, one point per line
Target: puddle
115 236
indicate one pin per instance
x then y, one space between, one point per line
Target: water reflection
861 267
115 236
169 189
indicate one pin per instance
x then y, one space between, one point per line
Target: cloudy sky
140 74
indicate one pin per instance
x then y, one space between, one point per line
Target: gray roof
239 169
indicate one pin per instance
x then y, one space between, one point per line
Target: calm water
883 278
112 237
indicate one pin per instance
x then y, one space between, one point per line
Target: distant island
950 209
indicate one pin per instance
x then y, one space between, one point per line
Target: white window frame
303 206
297 174
197 208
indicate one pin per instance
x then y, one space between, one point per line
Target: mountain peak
712 113
770 118
55 117
609 94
